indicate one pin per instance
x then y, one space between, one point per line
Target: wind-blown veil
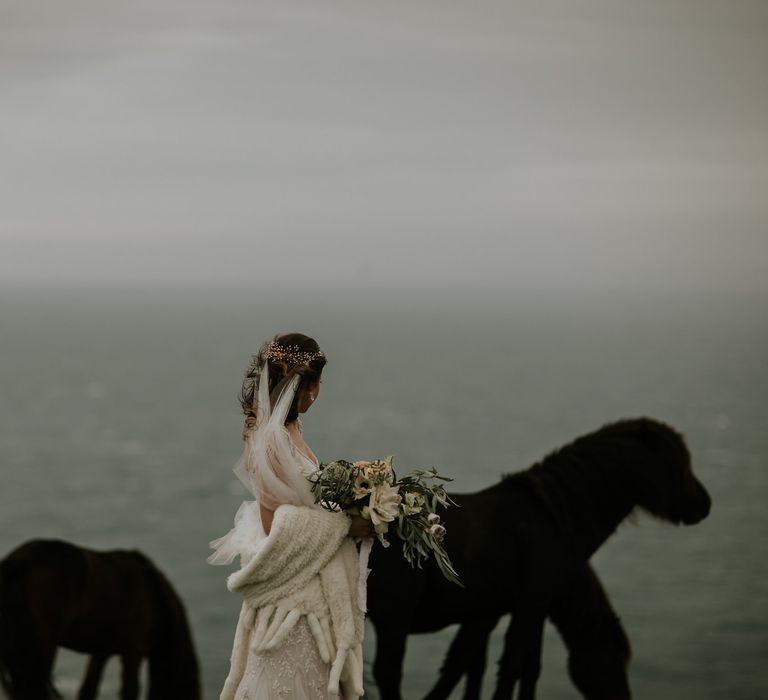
270 468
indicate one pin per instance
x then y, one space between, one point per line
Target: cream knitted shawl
306 566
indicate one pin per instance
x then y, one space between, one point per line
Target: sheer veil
271 469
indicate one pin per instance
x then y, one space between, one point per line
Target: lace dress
294 670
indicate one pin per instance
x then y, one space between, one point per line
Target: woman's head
287 355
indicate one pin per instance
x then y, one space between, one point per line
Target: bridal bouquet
409 504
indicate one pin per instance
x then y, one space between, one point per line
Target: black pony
598 648
54 593
516 543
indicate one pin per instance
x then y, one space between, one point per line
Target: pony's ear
647 430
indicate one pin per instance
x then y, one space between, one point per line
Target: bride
300 630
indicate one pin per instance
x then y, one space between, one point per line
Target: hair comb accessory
291 354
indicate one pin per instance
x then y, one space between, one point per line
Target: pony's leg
388 664
131 662
32 679
531 666
465 655
476 661
27 639
521 658
93 672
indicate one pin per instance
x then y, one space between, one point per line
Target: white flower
384 505
437 531
378 471
433 518
412 503
362 485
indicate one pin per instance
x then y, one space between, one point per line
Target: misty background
506 223
555 143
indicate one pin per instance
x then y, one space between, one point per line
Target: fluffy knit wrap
307 565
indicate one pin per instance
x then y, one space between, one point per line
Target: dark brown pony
117 603
598 648
515 543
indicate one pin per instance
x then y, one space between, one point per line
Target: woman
300 629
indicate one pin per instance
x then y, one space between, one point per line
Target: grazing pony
515 543
54 593
598 648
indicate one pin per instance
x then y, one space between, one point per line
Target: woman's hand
360 527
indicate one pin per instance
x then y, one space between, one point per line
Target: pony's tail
173 666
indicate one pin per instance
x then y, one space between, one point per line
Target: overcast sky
558 142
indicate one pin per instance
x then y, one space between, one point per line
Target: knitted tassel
353 668
326 627
248 617
363 571
317 633
356 669
282 632
336 669
261 628
277 620
352 673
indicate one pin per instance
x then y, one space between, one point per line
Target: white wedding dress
294 670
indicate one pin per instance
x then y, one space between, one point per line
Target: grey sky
547 141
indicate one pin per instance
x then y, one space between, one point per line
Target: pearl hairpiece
291 354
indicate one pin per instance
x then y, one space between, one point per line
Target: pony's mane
626 427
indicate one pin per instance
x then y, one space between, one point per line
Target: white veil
270 468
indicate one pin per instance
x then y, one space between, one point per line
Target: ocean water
119 425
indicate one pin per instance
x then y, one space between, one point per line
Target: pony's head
660 469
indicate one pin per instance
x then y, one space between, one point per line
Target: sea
119 426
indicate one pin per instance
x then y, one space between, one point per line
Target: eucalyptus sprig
333 483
